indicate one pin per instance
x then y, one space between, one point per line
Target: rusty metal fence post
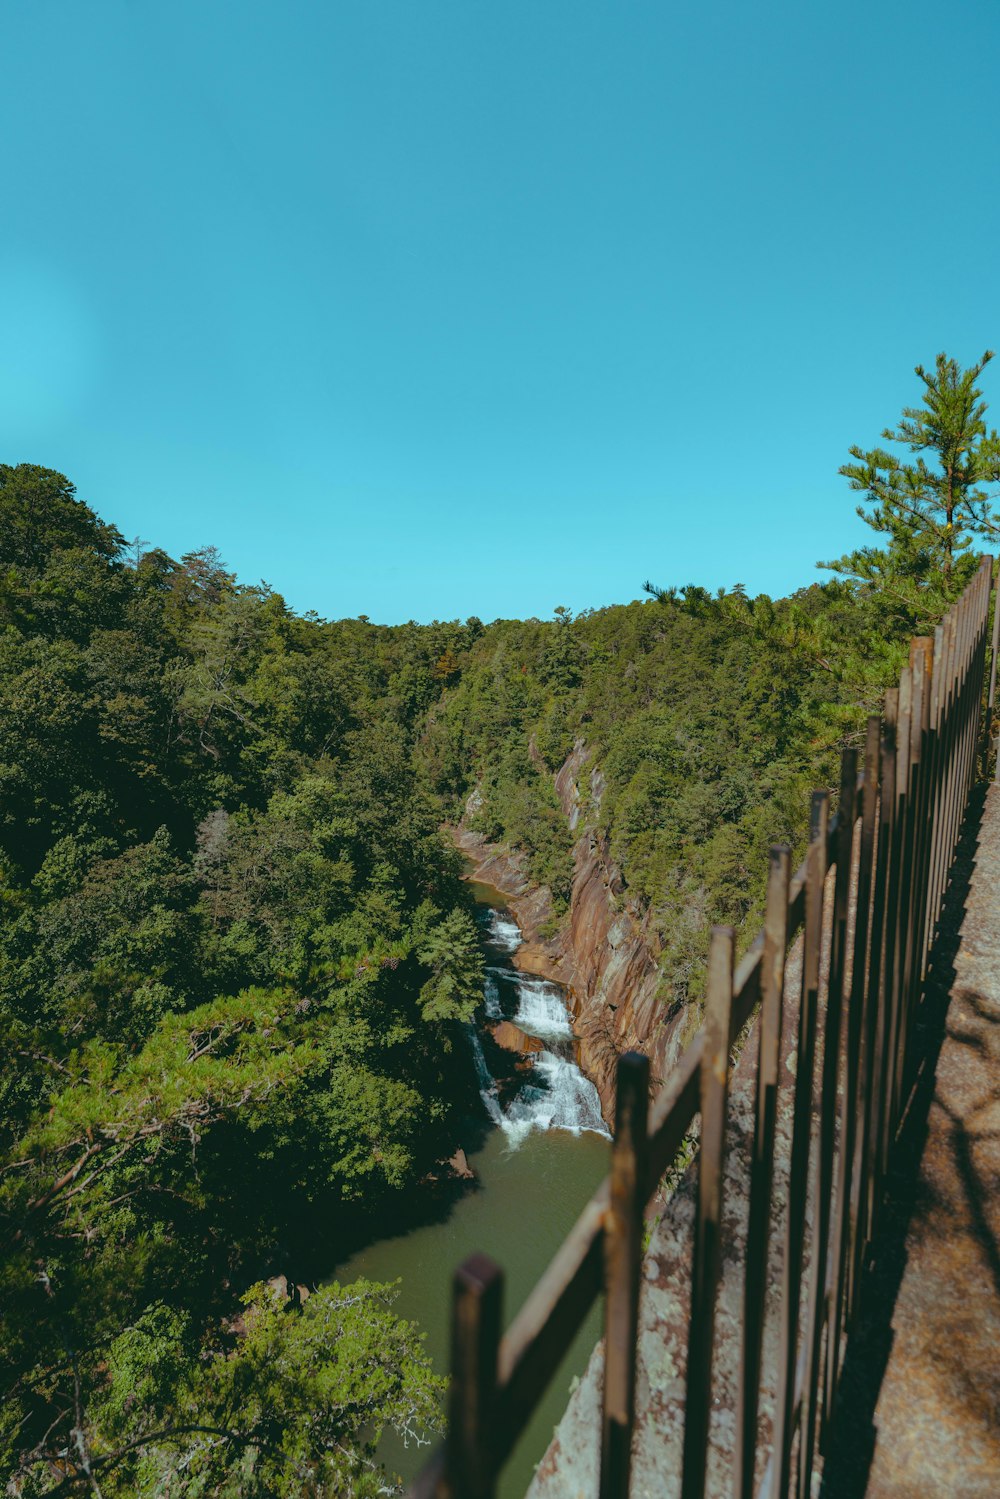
477 1307
857 1074
802 1123
823 1205
707 1256
623 1268
772 983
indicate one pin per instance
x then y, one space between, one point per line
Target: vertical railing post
772 988
881 947
928 779
953 710
977 622
798 1166
985 670
942 688
934 792
477 1306
623 1271
894 948
859 1044
811 1419
914 892
707 1254
991 698
954 734
961 729
981 712
962 777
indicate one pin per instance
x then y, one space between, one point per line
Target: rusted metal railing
886 855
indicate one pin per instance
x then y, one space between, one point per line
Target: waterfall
540 1009
491 998
487 1086
554 1094
534 1004
565 1100
503 932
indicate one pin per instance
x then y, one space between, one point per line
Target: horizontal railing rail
866 901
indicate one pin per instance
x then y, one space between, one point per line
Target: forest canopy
235 961
237 956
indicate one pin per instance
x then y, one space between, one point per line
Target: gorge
603 951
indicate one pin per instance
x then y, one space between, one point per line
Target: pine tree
930 510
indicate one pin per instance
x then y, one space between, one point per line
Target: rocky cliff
603 952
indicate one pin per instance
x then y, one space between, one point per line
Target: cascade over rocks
604 952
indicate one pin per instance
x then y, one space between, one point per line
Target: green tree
296 1408
932 508
453 954
562 657
40 514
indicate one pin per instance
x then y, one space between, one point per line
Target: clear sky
429 308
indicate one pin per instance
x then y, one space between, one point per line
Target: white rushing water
491 997
554 1094
502 932
559 1097
487 1086
540 1010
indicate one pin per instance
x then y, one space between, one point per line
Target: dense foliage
235 959
236 955
705 721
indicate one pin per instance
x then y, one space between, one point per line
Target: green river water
528 1196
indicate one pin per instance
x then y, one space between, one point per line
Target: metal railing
867 896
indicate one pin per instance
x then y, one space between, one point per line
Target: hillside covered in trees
237 956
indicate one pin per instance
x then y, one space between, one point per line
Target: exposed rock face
604 952
511 1037
288 1291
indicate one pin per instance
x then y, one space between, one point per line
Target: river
540 1162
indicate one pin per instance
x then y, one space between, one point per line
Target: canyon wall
603 951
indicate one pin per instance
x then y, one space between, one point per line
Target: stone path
931 1369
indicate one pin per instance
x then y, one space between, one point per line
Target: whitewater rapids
554 1093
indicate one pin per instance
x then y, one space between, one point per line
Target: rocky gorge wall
604 951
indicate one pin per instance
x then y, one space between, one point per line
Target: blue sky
429 308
